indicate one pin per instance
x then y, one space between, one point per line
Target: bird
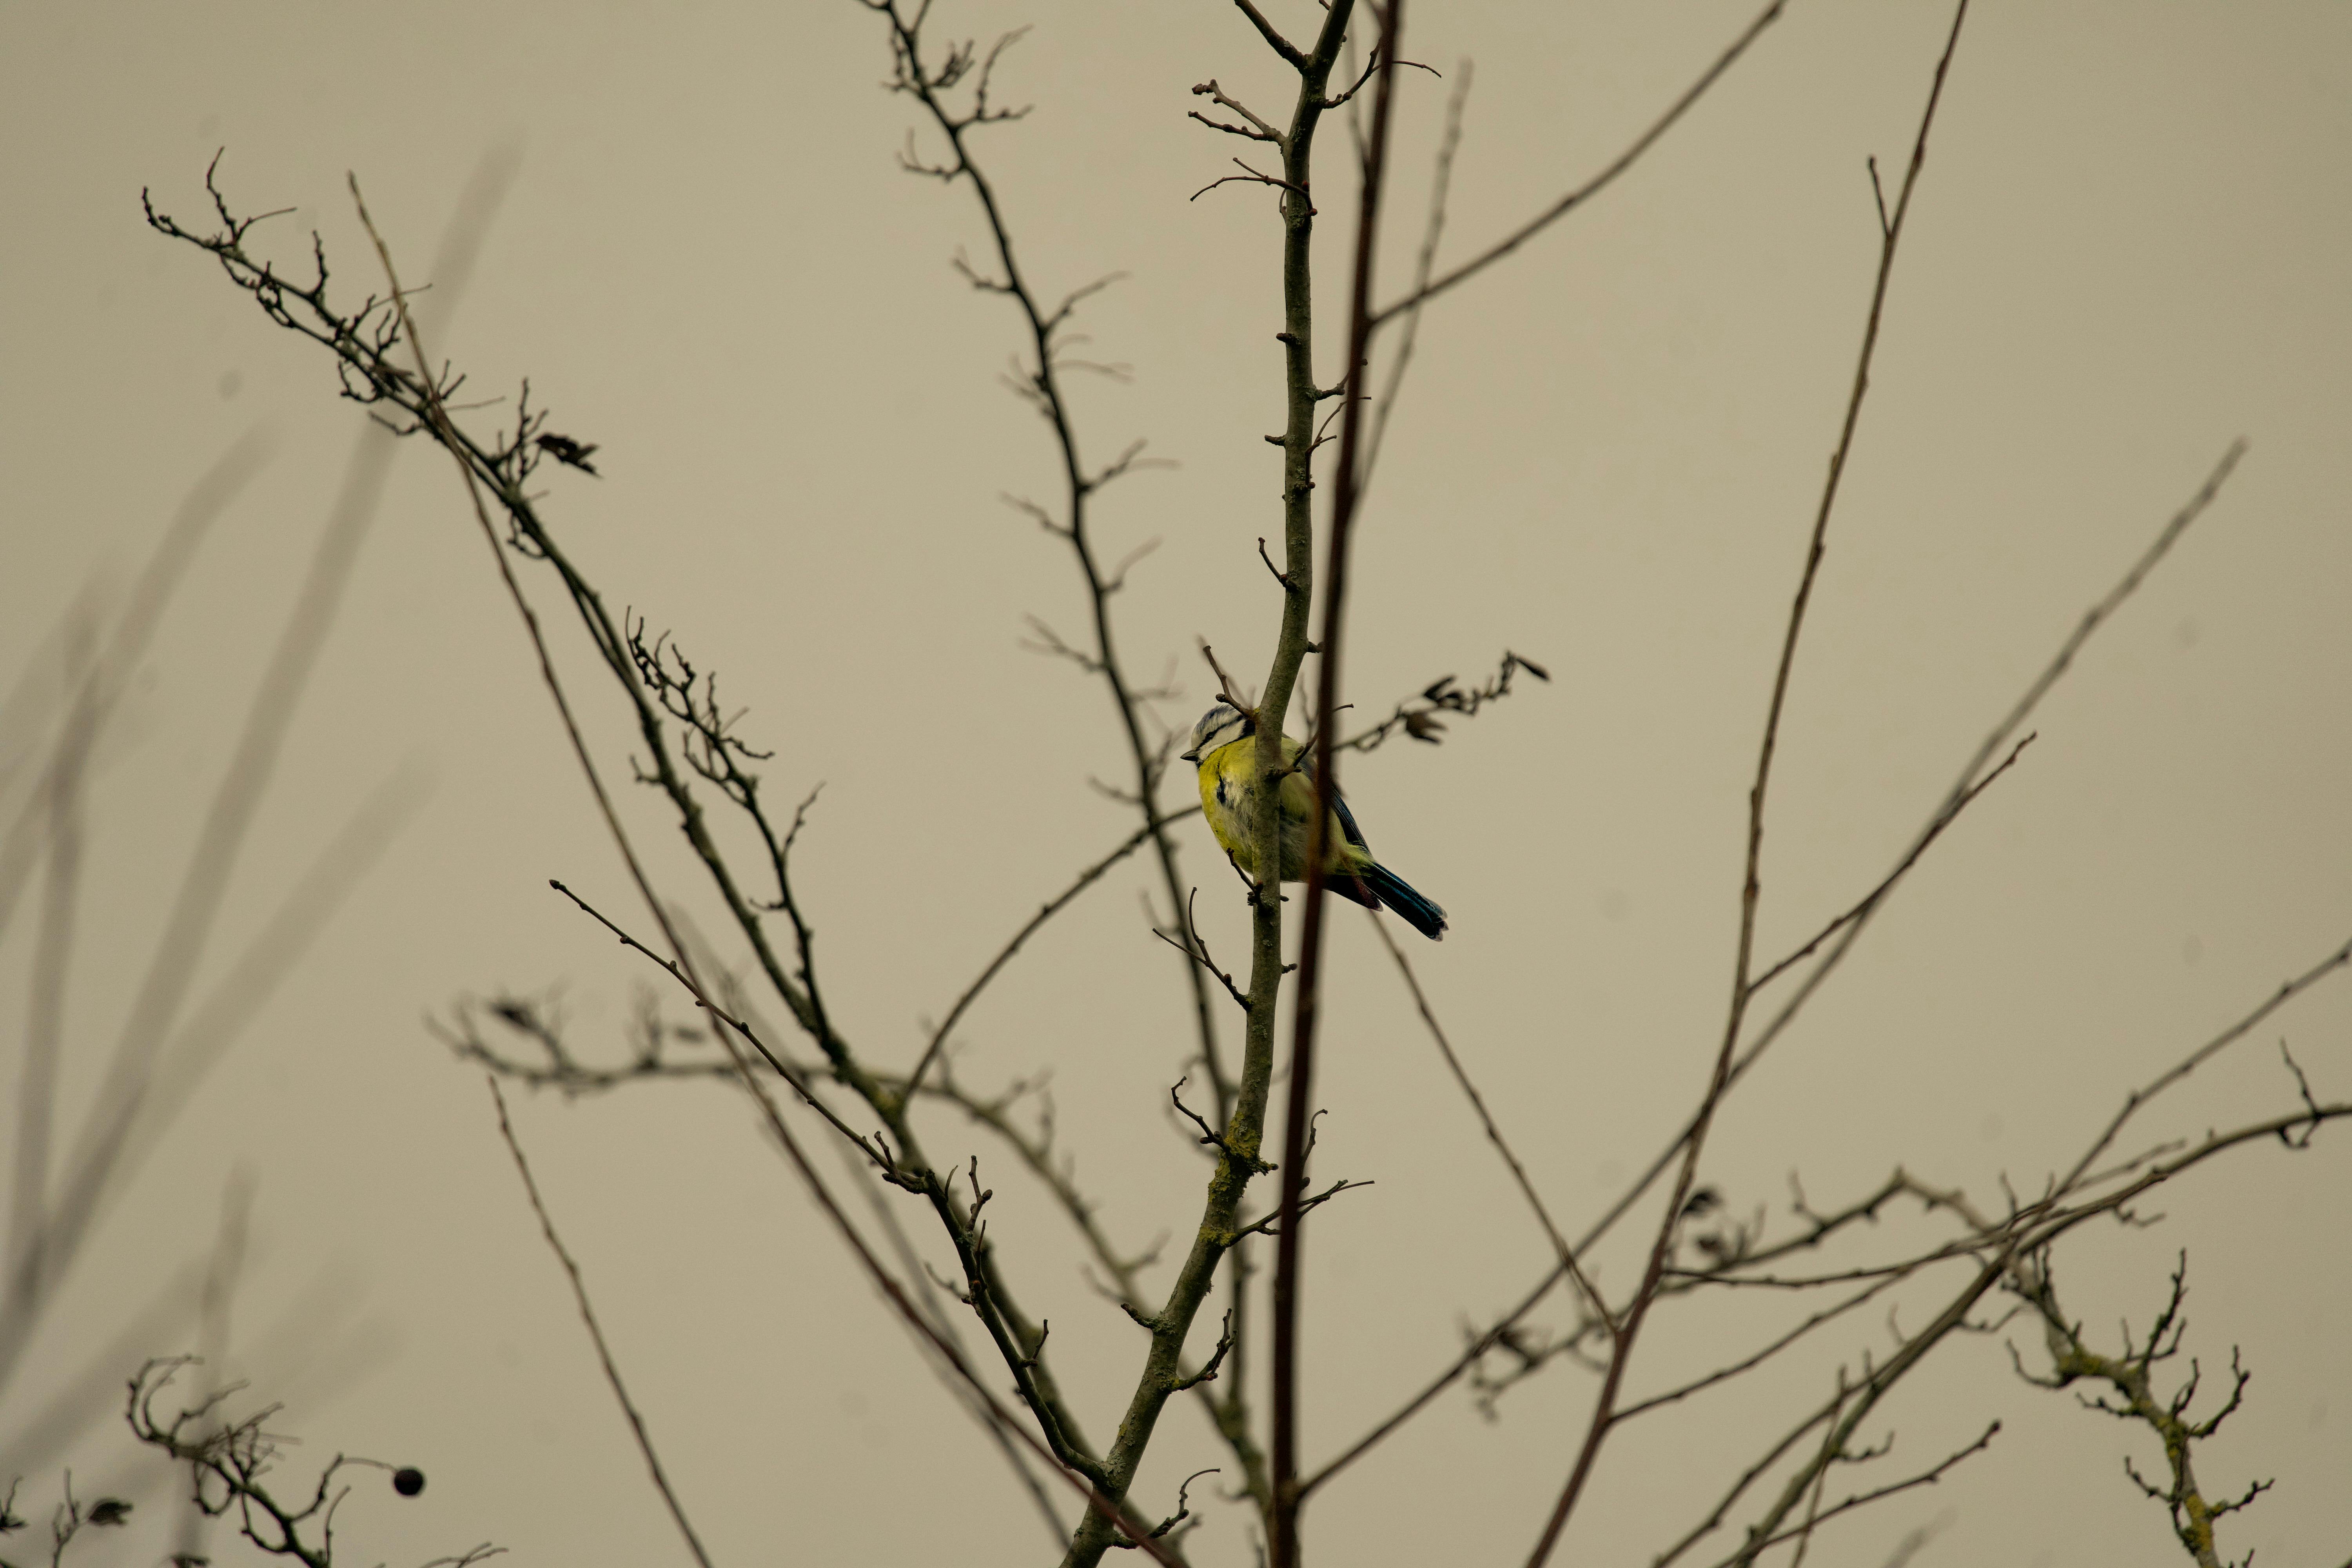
1224 749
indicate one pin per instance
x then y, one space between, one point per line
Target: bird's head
1220 726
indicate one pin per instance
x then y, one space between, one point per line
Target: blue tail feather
1411 907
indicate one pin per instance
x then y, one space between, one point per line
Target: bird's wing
1305 776
1348 824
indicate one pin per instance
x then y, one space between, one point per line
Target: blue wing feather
1348 824
1355 834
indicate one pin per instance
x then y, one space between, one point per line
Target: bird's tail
1411 907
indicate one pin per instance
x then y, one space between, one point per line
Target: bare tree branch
595 1331
1560 1249
1041 384
1592 187
1045 911
1298 1120
1694 1143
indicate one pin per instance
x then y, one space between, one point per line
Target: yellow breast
1225 784
1231 798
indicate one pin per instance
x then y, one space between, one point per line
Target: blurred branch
37 1438
45 1023
125 1128
48 1236
562 1070
98 687
55 669
161 1051
223 1274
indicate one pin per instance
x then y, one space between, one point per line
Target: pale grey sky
2130 247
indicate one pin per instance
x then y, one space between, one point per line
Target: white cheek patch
1207 738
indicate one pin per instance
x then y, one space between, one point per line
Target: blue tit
1224 749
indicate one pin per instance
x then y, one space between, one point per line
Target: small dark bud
1703 1201
408 1481
109 1510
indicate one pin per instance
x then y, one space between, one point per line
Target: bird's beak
1193 756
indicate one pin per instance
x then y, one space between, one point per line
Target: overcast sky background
2133 243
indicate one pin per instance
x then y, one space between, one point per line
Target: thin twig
1774 1347
595 1331
1441 185
1961 791
1103 1506
1870 900
1604 1405
1928 1477
1258 130
1225 687
1595 185
1560 1249
1041 384
1046 911
1999 1252
726 1024
2287 992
